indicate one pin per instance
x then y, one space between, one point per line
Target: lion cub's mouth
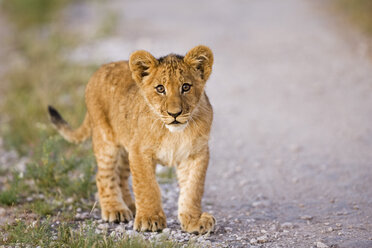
175 122
176 126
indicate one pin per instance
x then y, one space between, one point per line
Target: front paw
116 212
203 224
151 222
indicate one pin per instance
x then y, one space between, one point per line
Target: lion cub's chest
174 149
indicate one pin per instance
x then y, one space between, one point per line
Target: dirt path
292 137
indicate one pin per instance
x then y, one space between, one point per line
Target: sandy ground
291 89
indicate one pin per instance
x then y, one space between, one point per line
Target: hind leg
124 172
113 208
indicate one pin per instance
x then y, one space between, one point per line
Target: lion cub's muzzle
176 122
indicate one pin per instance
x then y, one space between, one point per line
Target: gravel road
292 136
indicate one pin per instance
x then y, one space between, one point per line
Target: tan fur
130 125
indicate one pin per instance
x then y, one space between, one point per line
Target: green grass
358 11
46 234
26 13
56 173
12 189
167 175
59 171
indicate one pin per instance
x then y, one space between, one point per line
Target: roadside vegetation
59 178
358 11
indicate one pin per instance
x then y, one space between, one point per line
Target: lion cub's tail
75 136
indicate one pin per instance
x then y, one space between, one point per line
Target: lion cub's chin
176 128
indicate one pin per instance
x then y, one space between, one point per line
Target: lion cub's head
172 85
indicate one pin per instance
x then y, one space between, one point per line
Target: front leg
191 176
149 212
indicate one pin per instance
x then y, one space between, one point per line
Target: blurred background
291 91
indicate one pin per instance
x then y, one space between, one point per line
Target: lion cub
143 112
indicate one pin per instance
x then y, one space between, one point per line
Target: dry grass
358 11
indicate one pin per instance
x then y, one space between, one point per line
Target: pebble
2 211
262 239
103 226
321 245
120 229
260 204
201 239
306 217
287 225
253 241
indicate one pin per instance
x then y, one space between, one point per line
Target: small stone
228 229
321 245
120 229
306 217
207 244
260 204
330 229
262 239
295 180
273 227
287 225
167 230
253 241
295 148
201 239
103 226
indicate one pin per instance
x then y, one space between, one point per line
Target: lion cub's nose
174 114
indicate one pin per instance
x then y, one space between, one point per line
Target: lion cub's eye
160 89
186 87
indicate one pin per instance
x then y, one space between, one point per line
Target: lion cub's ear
201 59
141 63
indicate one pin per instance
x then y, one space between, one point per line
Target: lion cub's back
108 83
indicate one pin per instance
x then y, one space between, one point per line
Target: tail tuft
55 117
76 136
